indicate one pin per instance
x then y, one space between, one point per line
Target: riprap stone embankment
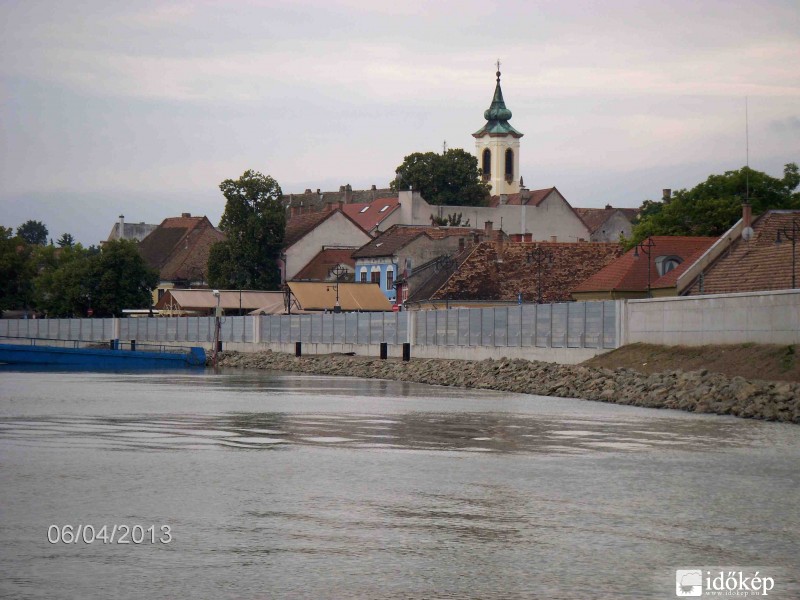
697 391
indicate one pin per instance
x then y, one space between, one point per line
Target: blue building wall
384 268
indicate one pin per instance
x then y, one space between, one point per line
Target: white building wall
334 231
553 217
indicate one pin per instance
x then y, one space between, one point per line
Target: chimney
317 190
554 238
747 214
528 237
340 204
186 215
609 207
293 211
121 232
308 191
373 187
666 195
487 229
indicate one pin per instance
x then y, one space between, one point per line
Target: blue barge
102 358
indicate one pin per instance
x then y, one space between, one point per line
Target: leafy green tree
33 232
713 206
66 241
71 280
451 178
254 223
15 271
121 279
62 285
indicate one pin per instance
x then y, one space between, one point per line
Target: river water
292 486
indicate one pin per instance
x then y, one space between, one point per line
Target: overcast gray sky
142 108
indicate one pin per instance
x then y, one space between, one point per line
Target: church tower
497 146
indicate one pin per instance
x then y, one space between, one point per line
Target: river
280 485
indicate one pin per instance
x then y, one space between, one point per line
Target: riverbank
696 391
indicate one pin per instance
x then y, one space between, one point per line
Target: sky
143 108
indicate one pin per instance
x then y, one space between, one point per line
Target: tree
121 279
713 206
15 271
66 241
71 280
33 232
254 224
451 178
62 284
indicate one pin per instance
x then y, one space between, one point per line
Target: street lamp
542 258
792 237
217 295
646 247
337 272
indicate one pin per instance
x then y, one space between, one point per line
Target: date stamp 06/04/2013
109 534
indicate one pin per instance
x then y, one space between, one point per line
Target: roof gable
319 268
178 248
299 226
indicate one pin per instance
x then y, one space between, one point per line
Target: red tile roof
629 274
178 248
319 268
371 214
757 265
398 236
482 277
528 197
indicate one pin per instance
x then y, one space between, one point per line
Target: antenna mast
747 150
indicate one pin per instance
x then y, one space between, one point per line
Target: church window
509 165
487 163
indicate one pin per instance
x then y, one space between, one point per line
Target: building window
487 163
375 277
389 279
665 264
363 276
509 165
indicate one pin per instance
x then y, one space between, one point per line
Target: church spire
497 115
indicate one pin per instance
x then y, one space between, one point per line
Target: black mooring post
111 345
406 352
219 345
384 350
133 345
298 348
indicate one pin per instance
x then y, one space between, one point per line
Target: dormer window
665 264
